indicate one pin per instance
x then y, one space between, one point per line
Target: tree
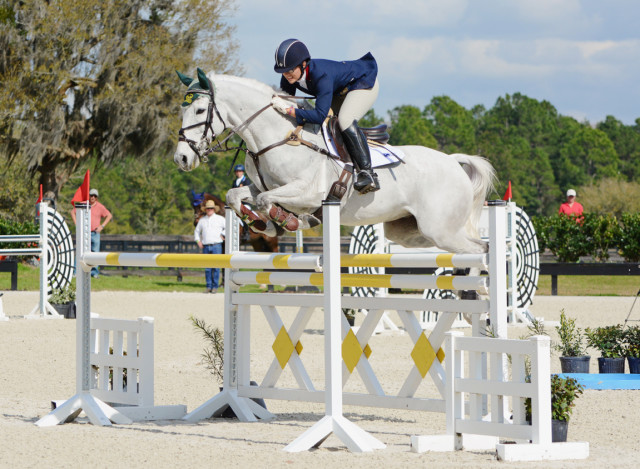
518 136
88 78
370 119
452 125
408 127
626 140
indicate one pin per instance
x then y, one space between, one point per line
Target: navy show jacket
326 78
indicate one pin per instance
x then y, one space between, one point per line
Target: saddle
376 134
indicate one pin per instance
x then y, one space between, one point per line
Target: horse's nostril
184 160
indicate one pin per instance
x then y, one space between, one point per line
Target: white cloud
545 11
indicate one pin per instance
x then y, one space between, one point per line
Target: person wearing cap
571 207
241 178
100 217
209 235
349 88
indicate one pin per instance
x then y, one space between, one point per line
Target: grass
575 285
29 280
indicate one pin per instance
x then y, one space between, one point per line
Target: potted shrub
564 391
573 357
63 300
632 348
609 341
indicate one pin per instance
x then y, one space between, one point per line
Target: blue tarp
606 380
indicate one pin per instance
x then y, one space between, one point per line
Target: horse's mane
250 82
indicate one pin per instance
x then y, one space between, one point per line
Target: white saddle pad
381 155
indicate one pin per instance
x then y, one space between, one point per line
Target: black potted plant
632 348
63 300
573 357
609 340
564 391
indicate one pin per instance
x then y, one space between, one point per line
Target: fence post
541 400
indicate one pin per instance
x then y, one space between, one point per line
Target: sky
581 56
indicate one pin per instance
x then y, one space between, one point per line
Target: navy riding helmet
238 167
290 54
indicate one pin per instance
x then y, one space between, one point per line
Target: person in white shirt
209 235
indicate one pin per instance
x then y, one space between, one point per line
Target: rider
350 88
241 178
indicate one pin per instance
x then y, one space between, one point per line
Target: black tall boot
356 143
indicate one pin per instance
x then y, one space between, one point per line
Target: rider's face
293 75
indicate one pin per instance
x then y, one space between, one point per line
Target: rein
292 138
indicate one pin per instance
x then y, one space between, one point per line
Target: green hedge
570 238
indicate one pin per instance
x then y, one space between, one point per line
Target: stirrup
366 181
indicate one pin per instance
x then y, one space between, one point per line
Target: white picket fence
122 360
503 392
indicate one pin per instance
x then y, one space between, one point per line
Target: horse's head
201 122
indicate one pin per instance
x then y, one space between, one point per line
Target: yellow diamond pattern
423 355
367 351
351 350
299 348
440 355
283 347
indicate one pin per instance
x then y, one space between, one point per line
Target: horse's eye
200 111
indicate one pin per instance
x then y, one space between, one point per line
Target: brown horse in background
260 242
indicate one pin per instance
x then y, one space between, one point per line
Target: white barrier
532 440
345 350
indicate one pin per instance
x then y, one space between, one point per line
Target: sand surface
38 366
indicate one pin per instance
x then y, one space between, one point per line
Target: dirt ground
38 366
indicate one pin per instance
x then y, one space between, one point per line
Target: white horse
431 199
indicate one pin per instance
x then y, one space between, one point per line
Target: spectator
209 235
98 212
571 207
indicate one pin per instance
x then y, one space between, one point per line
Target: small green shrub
566 239
564 392
213 354
629 237
62 296
571 338
632 341
609 340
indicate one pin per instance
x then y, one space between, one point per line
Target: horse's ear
202 78
184 79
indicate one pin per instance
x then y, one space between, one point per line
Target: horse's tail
483 178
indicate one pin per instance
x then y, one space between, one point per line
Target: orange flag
508 195
40 199
82 194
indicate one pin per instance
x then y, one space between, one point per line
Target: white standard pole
44 233
498 270
83 299
332 310
351 435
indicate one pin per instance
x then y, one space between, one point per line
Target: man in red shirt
98 212
571 207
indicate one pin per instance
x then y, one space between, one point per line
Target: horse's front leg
248 194
296 194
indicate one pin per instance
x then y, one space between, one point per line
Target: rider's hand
283 106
